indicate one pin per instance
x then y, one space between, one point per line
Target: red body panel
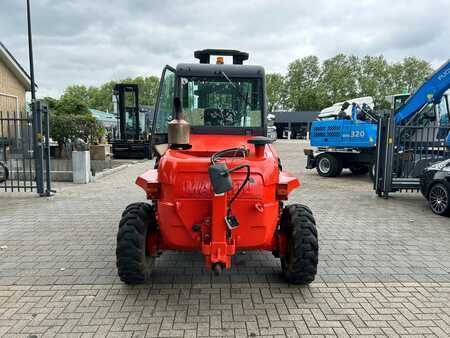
187 204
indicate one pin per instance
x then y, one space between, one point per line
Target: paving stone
379 272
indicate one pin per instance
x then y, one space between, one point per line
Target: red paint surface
187 199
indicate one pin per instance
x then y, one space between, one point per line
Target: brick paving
384 269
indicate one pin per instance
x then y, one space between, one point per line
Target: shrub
65 128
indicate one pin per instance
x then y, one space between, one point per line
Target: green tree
51 102
74 101
148 89
338 78
303 84
409 74
374 79
276 91
101 97
71 126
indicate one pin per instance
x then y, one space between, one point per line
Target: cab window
222 102
443 112
164 108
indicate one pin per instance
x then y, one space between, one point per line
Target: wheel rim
438 199
324 165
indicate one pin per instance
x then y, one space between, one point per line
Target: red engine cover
185 201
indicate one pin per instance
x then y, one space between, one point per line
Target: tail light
153 191
282 192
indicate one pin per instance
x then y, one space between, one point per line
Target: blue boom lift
351 142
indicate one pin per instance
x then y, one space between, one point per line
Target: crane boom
431 91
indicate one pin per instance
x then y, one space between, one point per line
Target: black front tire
134 264
328 165
439 199
302 252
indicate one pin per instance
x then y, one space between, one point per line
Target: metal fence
403 152
16 152
24 148
418 146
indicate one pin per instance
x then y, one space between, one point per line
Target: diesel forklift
133 141
217 186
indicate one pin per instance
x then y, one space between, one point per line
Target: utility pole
30 51
37 121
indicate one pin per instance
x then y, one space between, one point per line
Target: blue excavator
346 141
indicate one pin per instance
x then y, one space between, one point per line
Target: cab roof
215 70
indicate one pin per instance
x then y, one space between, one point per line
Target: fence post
48 178
37 143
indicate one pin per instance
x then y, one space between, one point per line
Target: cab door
443 120
164 107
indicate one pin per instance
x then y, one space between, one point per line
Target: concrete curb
111 171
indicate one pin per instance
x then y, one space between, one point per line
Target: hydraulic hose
247 178
220 154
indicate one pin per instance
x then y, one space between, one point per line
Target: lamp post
37 121
30 51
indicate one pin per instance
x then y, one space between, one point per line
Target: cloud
90 42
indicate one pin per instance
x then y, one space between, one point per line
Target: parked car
435 186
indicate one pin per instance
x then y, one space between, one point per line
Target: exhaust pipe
179 130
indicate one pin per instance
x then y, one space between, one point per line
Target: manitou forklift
132 142
217 186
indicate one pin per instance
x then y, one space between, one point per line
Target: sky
90 42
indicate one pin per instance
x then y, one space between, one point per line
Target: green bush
69 127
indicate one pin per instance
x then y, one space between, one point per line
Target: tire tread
132 264
300 228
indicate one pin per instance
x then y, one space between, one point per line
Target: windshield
399 101
224 102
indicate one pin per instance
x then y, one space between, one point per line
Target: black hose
247 178
219 154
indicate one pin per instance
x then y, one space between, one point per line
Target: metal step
406 183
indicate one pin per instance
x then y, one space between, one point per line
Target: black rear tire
328 165
4 172
134 264
359 169
439 198
302 253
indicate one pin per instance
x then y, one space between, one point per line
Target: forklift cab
127 99
215 98
433 114
131 142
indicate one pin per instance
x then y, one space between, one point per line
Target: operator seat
212 117
218 117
